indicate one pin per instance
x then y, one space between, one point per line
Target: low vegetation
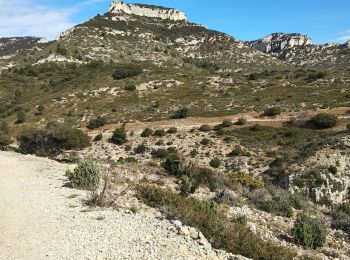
52 140
224 233
85 176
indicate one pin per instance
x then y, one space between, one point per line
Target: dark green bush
172 130
130 87
181 113
85 175
159 133
238 151
140 149
161 153
4 127
147 132
226 123
172 164
341 221
324 120
204 128
96 123
309 233
205 141
332 169
52 140
272 111
348 126
5 140
119 136
241 121
215 163
21 117
98 138
126 71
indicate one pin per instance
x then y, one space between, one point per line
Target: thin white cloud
28 18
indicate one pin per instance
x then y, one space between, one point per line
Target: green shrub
332 169
213 222
85 175
130 87
159 133
119 136
215 163
126 71
241 121
324 120
96 123
172 164
61 50
98 138
272 111
181 113
204 128
194 153
341 221
147 132
5 140
40 110
185 185
140 149
21 117
226 123
160 153
205 141
4 127
243 220
52 140
238 151
172 130
348 126
243 178
309 233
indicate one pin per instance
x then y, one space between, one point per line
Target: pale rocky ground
42 218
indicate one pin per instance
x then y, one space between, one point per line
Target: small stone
193 233
177 224
184 232
204 242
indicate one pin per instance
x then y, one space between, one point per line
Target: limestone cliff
118 7
278 42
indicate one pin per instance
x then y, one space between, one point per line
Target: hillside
212 146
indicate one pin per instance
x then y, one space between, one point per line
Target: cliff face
147 11
278 42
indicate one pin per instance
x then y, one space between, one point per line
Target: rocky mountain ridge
10 45
118 7
278 42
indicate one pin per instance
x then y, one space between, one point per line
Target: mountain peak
118 7
277 42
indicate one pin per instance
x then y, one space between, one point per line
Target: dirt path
252 117
42 219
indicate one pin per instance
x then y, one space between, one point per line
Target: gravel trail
40 218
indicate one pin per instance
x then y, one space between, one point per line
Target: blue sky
323 20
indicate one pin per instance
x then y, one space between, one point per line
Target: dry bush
113 188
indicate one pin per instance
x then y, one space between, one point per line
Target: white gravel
39 219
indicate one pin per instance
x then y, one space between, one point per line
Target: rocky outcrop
118 7
347 44
278 42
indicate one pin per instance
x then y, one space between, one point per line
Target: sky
325 21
